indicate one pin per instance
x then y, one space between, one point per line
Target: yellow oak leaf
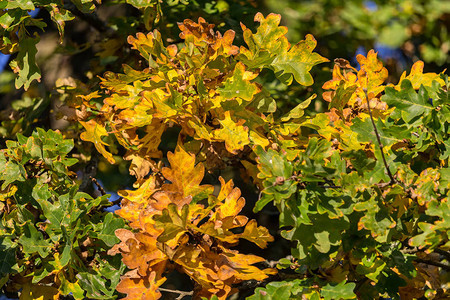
160 99
127 96
148 45
138 116
226 42
140 166
268 36
94 132
232 201
418 78
200 131
143 193
256 234
232 133
38 292
349 79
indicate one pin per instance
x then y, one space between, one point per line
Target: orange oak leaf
185 176
140 288
171 224
372 74
347 87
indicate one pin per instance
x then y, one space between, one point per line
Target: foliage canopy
346 200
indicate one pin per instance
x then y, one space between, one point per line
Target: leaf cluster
360 191
54 238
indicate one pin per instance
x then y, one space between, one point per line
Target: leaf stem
378 139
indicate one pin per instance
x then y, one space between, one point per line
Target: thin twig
412 251
117 201
99 187
182 294
378 139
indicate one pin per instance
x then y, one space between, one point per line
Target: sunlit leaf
94 133
298 61
232 133
25 64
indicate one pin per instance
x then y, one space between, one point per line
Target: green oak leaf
85 6
11 171
60 16
25 63
7 255
142 3
388 136
238 86
410 103
299 110
110 224
343 289
22 4
262 45
32 241
297 61
172 222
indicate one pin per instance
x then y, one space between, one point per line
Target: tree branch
433 263
181 295
92 19
378 139
443 253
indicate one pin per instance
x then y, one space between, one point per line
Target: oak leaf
140 288
297 61
232 133
185 176
238 86
418 78
94 133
